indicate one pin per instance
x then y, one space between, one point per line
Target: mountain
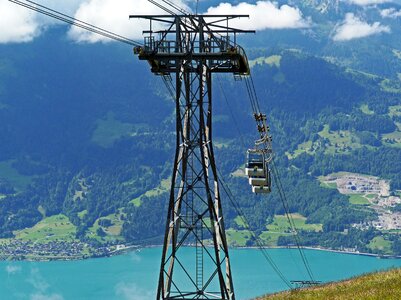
374 53
322 6
88 141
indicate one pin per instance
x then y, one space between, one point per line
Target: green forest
100 152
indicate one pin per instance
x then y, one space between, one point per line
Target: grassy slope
337 142
358 199
164 187
381 285
280 224
57 227
7 171
381 244
113 232
279 227
109 130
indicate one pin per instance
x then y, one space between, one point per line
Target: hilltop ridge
380 285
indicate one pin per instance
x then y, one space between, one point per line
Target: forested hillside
88 132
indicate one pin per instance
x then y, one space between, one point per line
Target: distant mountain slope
381 285
88 133
373 54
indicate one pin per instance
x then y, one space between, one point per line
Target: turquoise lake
134 275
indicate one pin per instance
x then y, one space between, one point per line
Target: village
54 250
370 191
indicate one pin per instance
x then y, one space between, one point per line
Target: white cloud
369 2
10 269
263 15
17 24
67 7
353 28
113 16
132 292
46 297
135 257
37 281
390 13
41 286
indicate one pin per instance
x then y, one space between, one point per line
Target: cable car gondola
258 159
258 172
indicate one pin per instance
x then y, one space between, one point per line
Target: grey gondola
257 170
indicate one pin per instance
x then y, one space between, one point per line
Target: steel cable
253 97
245 221
73 21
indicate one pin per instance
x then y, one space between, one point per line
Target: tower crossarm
188 49
206 39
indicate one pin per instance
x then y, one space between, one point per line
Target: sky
20 25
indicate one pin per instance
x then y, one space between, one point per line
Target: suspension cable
276 176
253 97
284 200
254 92
170 88
231 112
73 21
257 239
162 7
176 7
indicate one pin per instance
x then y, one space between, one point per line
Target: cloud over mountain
353 28
112 16
263 15
390 13
368 2
18 24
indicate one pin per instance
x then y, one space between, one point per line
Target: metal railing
220 45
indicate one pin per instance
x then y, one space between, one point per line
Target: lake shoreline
383 256
135 275
122 249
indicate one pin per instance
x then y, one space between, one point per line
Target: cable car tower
191 49
186 54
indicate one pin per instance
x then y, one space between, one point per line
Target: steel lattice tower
186 54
